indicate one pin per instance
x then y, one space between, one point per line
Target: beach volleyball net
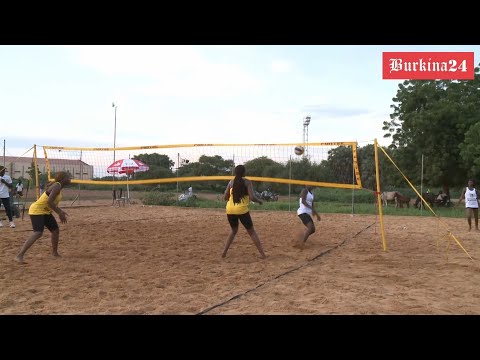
330 164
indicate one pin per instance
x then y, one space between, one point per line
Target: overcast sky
62 95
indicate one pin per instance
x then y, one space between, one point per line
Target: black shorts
20 193
39 222
306 218
246 220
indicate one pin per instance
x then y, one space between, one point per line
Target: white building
18 167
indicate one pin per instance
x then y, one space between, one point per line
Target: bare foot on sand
56 255
299 244
19 259
298 241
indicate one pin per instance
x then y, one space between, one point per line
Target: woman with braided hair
238 194
41 215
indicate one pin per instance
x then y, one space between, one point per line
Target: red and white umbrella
127 166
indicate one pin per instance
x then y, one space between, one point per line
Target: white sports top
471 200
4 190
303 209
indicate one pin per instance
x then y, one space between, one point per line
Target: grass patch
323 206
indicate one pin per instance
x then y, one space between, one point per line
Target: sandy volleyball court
166 260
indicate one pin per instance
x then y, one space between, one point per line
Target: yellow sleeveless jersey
237 209
40 207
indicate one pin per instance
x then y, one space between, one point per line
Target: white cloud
189 94
314 100
281 66
363 128
169 70
137 60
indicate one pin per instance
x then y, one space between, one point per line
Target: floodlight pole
306 122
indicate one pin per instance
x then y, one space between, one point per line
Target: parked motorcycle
269 196
188 194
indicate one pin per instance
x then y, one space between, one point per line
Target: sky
62 95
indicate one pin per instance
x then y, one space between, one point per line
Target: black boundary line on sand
203 312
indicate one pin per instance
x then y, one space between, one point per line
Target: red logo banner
428 65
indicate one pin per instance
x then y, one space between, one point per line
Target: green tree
31 172
390 178
432 118
470 151
470 148
340 163
265 167
41 177
207 166
160 166
156 159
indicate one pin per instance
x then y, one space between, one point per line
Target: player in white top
19 188
5 186
470 194
305 211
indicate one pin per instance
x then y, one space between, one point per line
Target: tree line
337 168
438 120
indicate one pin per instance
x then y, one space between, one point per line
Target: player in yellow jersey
41 214
238 194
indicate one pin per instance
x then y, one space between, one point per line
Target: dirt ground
165 260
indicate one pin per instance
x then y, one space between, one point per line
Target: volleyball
299 150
